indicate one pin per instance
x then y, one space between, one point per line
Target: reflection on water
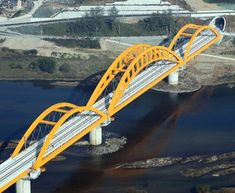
155 125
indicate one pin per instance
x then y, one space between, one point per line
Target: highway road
29 20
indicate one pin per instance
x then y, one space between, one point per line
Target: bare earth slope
200 5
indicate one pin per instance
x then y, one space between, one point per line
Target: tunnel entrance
219 22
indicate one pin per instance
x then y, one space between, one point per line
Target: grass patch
73 43
229 52
16 65
103 27
45 11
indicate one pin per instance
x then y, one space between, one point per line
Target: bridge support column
23 186
95 136
173 78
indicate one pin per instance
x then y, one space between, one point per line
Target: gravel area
187 83
200 5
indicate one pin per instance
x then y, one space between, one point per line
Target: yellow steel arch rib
57 107
119 65
42 159
193 31
216 37
182 32
151 55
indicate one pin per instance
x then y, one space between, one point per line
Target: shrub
43 64
65 68
15 66
31 52
72 43
6 49
10 51
2 40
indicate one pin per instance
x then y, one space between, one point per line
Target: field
15 65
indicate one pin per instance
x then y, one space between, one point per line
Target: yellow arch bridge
134 72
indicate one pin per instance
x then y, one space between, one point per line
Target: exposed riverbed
215 165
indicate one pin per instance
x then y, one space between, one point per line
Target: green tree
96 12
65 68
95 19
160 23
43 64
32 52
112 13
15 66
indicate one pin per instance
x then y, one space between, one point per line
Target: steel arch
153 54
198 29
217 37
119 65
41 159
57 107
181 33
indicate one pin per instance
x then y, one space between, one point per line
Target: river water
157 124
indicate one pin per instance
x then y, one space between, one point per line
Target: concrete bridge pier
95 136
173 78
23 185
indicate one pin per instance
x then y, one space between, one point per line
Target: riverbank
213 68
203 71
17 66
193 166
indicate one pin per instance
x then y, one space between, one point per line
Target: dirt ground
44 48
216 65
200 5
213 67
210 71
230 24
